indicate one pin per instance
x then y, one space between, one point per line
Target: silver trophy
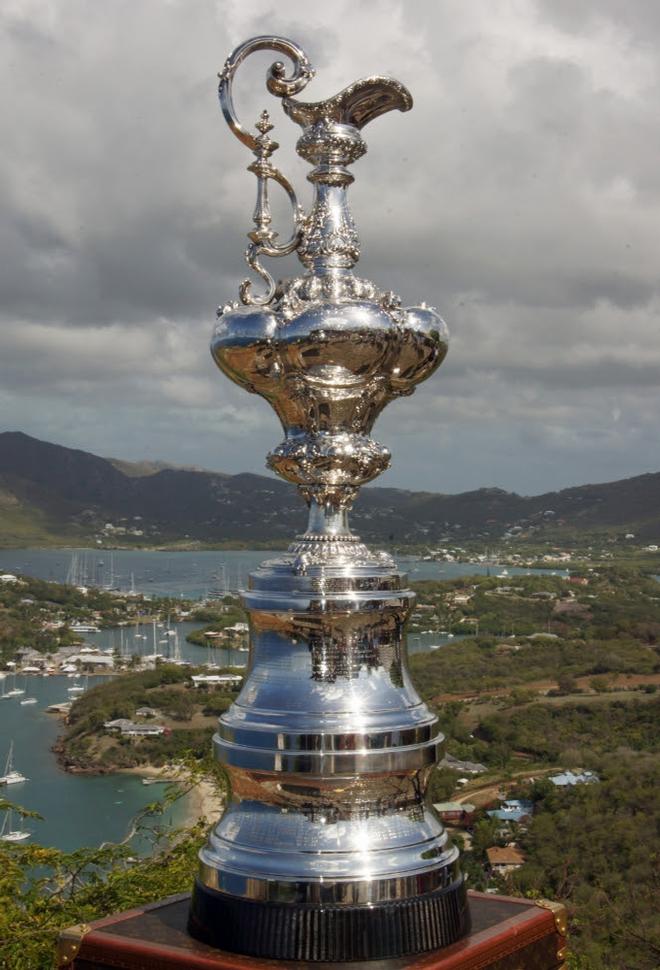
328 849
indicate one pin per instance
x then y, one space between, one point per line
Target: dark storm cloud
521 196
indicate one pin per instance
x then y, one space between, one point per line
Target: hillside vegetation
190 715
49 493
583 696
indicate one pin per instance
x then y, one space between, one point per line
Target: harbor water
85 810
76 810
192 574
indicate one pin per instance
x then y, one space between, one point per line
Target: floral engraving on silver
328 746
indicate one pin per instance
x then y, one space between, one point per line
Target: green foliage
597 847
218 611
546 731
442 784
216 619
616 602
28 603
44 890
484 836
120 696
473 666
88 746
594 846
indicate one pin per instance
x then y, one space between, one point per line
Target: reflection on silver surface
328 747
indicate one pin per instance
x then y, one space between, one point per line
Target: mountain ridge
72 495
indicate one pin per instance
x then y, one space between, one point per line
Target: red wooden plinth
507 934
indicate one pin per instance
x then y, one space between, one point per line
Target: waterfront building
216 680
92 660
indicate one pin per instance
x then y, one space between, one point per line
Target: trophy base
281 931
506 934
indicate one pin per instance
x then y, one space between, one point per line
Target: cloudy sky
521 197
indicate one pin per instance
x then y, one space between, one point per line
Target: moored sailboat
15 691
11 775
10 834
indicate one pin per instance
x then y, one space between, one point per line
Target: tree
45 890
566 683
484 836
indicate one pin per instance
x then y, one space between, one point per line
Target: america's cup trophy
328 849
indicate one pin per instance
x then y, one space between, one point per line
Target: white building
216 680
92 660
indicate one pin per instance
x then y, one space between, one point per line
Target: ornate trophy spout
328 849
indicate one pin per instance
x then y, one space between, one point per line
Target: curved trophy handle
262 236
276 80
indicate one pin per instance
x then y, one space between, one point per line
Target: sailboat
111 583
28 700
11 776
154 655
73 573
15 691
77 688
9 834
176 658
218 586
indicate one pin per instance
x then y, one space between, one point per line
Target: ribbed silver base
330 933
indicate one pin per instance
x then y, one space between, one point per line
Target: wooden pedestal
507 934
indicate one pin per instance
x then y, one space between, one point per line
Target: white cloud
521 196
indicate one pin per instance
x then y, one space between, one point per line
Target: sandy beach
203 801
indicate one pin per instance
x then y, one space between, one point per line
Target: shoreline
92 547
201 803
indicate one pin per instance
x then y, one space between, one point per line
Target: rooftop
454 807
216 679
570 778
510 855
512 810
